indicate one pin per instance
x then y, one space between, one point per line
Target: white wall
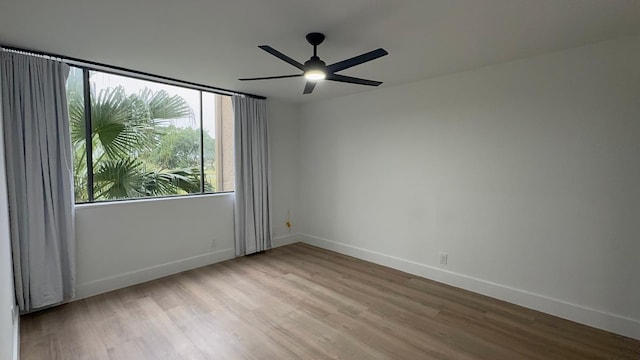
526 173
8 322
285 157
124 243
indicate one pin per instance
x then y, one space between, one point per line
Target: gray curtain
39 179
252 176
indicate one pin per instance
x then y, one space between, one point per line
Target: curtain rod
92 65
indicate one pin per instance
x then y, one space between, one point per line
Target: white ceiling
214 42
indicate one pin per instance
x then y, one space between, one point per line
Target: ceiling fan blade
309 86
281 56
352 80
357 60
271 77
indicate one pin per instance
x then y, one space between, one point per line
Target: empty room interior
344 179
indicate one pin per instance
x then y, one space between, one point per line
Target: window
147 139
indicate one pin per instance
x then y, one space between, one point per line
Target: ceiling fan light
315 75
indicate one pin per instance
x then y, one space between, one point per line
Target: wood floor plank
302 302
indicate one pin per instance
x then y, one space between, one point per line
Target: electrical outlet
214 242
443 258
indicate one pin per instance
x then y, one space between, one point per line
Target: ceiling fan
315 69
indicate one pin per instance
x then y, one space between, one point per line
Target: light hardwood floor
302 302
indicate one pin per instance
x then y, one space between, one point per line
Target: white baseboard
150 273
284 240
603 320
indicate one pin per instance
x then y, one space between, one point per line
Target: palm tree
123 127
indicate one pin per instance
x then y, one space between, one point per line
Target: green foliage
126 178
128 135
180 148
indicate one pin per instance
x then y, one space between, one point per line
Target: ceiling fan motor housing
314 64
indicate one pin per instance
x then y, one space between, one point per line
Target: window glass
218 142
148 138
75 99
145 137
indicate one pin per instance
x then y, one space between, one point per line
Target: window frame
86 84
